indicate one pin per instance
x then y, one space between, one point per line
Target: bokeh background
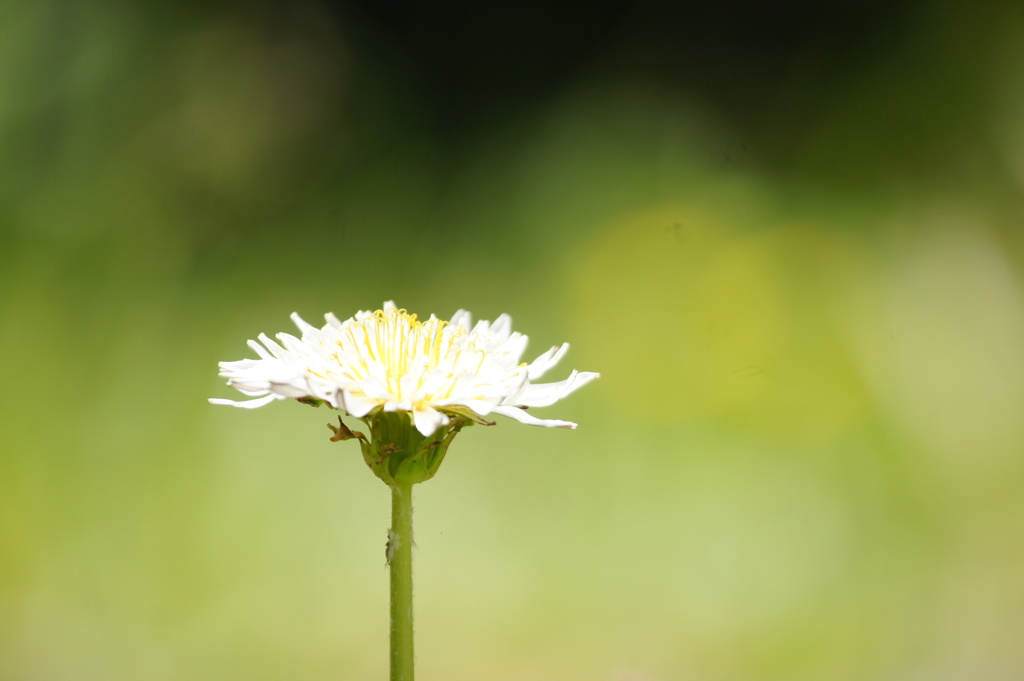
788 234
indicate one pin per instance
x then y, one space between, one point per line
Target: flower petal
355 404
521 416
461 319
428 419
545 394
539 366
502 327
303 325
259 349
247 404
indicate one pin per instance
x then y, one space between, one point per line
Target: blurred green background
789 236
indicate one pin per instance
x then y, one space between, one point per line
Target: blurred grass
803 459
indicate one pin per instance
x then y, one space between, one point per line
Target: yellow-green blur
803 461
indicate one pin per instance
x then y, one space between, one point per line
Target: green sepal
469 415
397 453
424 464
342 432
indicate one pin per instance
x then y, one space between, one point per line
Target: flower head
389 361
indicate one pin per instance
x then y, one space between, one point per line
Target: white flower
388 360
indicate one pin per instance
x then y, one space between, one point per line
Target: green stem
400 560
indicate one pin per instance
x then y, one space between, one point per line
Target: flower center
407 349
